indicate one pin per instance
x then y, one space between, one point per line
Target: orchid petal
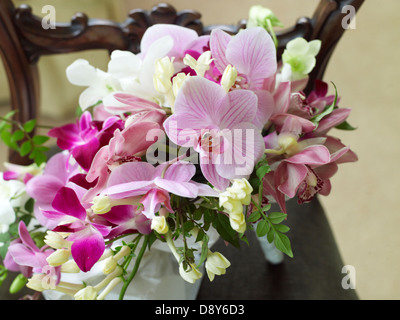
335 118
242 107
252 51
131 172
124 64
244 146
67 202
219 41
210 173
81 73
265 109
313 155
202 98
87 248
183 189
289 176
181 37
152 202
180 172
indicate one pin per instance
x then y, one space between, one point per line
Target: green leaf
187 226
26 147
262 171
29 205
282 243
10 114
30 125
225 230
328 110
262 228
204 251
277 217
254 216
17 136
6 137
345 126
38 140
282 228
40 158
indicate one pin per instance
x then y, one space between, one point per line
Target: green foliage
18 136
268 225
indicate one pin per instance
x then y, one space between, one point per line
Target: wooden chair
315 272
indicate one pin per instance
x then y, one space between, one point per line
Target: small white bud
87 293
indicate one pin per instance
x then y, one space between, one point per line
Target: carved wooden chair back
23 41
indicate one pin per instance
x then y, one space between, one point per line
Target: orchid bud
56 240
70 267
109 265
101 204
159 224
87 293
58 257
18 283
216 264
229 77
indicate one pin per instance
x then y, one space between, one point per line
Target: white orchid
126 72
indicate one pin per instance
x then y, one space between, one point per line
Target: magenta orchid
125 146
86 137
219 126
87 236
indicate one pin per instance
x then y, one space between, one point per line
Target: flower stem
135 268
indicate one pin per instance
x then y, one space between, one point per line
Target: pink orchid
126 146
140 109
218 125
183 39
87 236
24 256
84 138
43 188
292 161
252 52
154 184
127 219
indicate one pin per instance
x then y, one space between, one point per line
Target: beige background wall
363 207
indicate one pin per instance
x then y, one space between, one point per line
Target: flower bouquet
190 140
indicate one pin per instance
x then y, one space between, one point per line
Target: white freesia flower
12 195
191 275
216 264
299 58
159 224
